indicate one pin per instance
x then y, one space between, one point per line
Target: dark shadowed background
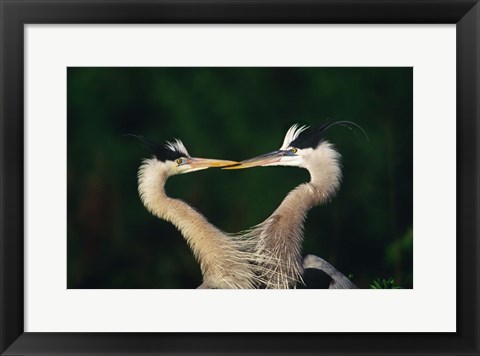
235 113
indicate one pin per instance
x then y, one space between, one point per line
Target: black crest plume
163 153
313 136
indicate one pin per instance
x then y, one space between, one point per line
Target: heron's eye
179 161
293 150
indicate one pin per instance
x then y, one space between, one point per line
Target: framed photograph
229 199
117 238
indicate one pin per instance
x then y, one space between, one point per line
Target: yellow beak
198 163
261 160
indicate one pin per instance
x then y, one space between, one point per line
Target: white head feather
292 134
177 146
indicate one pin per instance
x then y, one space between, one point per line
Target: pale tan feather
226 261
279 238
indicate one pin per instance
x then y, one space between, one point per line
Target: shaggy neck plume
281 235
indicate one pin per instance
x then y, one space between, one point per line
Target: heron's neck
205 240
325 173
325 178
281 235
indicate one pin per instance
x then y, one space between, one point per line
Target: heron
279 238
226 262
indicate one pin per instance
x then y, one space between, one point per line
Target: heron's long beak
203 163
261 160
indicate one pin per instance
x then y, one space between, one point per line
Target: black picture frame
15 14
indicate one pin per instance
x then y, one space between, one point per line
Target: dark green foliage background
235 113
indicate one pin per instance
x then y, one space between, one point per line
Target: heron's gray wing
339 281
